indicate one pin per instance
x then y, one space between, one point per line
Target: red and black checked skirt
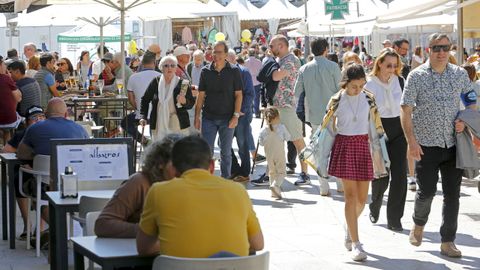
350 158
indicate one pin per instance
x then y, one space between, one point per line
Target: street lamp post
307 36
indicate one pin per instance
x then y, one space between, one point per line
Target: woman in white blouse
386 84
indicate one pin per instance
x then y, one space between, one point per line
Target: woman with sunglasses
386 84
171 98
64 71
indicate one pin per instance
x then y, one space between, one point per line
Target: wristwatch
236 114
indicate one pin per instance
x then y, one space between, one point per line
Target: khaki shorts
288 117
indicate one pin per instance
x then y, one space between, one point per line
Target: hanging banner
91 39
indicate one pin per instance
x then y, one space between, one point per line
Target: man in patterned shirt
432 96
284 99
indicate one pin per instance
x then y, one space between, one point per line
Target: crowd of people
192 94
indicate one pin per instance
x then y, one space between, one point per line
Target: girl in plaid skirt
350 158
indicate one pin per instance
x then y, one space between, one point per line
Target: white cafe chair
41 173
89 209
89 230
255 262
88 204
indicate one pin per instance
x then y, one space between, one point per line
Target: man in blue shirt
243 132
45 78
37 137
36 140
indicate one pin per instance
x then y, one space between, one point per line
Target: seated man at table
197 214
120 217
36 140
33 115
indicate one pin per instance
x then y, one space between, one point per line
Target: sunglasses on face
37 117
169 66
61 64
438 48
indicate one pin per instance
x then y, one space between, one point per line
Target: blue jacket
248 91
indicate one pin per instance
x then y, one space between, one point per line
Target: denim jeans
436 159
129 123
256 99
210 128
242 134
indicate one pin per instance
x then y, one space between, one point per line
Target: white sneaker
324 187
347 241
276 192
412 183
358 254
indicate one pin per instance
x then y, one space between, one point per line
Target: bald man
37 137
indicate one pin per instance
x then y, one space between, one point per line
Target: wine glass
71 81
119 83
100 85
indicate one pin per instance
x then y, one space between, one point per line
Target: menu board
94 161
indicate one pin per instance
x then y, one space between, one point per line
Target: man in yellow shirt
197 214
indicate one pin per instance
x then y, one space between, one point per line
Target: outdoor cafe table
103 103
58 209
110 253
9 160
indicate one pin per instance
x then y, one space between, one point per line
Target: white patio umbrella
121 6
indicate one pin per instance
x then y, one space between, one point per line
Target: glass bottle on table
91 87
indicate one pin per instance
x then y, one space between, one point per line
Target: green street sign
337 8
91 39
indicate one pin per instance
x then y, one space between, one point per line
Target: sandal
23 236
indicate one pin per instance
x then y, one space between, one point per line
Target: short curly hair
157 155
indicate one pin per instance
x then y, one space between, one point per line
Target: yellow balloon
219 36
132 47
246 34
243 40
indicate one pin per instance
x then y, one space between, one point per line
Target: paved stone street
305 231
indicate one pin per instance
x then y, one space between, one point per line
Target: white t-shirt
138 84
352 115
97 67
387 95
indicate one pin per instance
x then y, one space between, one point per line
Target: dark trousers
397 152
256 99
436 159
242 134
291 155
130 124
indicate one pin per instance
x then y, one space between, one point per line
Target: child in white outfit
273 139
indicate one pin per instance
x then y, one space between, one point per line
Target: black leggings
397 152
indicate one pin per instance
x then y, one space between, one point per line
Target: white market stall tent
158 22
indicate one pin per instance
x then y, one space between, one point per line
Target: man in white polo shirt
136 87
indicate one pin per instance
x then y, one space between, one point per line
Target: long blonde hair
381 58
